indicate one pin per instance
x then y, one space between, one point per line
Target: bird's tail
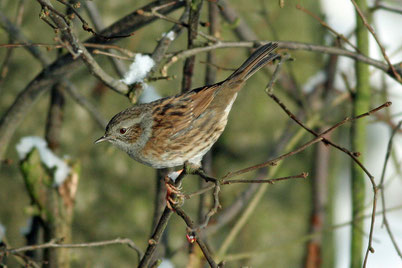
263 55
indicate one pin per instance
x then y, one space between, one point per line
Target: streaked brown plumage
171 131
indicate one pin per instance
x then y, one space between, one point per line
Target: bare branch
270 181
325 25
55 243
17 35
371 30
174 57
381 187
387 8
319 138
7 58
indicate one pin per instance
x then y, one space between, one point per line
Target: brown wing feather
202 98
175 115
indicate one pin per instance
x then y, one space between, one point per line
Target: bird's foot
173 194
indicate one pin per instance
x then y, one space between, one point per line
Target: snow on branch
138 69
48 158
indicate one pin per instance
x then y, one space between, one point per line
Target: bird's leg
197 170
173 193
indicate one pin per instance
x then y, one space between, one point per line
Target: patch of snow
170 35
139 69
48 158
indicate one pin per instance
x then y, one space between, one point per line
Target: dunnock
172 131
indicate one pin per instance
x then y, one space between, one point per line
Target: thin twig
199 192
325 25
166 40
4 68
175 56
26 261
396 74
269 91
125 51
85 24
16 33
319 138
270 181
55 243
387 8
303 239
213 209
353 155
109 54
54 46
96 19
381 187
228 182
155 13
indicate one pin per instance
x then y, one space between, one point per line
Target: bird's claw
173 194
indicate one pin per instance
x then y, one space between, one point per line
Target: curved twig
55 243
172 58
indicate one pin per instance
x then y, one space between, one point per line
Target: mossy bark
53 204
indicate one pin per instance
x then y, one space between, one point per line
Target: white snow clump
138 69
48 158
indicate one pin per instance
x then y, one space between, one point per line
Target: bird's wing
202 97
176 114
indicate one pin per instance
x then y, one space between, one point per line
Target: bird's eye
123 130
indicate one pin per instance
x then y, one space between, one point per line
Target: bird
181 129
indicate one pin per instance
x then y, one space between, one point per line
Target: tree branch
55 243
174 57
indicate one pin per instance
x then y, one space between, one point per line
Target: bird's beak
103 138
